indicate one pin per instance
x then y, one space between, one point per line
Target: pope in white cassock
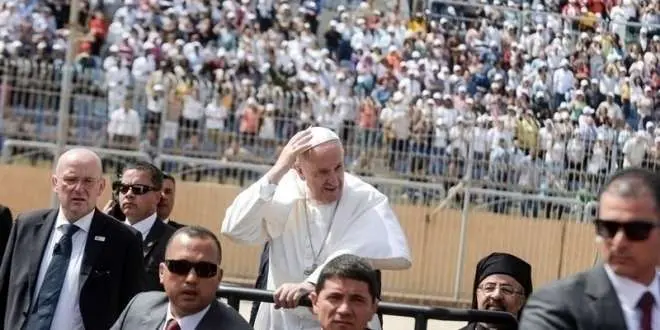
311 211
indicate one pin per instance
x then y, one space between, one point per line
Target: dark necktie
645 305
172 325
49 294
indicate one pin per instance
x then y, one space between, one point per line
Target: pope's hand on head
288 295
298 144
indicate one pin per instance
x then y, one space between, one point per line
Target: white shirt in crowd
215 116
193 109
67 313
563 81
480 139
634 150
124 122
399 120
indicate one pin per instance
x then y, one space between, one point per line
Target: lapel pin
150 244
99 238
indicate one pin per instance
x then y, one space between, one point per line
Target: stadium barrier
29 97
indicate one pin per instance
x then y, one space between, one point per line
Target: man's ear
314 298
375 305
298 169
161 272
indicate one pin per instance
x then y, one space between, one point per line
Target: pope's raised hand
298 144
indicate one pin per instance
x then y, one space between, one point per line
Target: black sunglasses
137 189
182 267
635 230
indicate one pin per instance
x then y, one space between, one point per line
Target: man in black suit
5 227
621 292
139 193
167 198
73 267
189 301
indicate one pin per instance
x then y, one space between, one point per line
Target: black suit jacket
147 311
5 227
175 224
111 274
584 301
153 251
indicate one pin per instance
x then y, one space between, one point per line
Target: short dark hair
198 232
632 182
154 172
167 176
351 267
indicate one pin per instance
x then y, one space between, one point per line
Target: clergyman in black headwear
502 282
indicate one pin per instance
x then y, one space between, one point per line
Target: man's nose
344 307
497 293
192 277
333 179
619 239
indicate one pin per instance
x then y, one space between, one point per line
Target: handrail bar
235 294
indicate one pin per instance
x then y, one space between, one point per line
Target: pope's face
322 168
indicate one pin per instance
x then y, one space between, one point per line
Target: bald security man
72 267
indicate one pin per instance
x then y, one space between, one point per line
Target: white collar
187 322
83 223
144 225
629 291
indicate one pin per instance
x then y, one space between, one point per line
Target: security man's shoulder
33 216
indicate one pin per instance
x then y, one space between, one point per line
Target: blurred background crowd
542 97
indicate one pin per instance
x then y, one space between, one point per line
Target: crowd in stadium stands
575 96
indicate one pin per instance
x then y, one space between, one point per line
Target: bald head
78 182
79 155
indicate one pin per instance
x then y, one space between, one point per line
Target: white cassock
304 234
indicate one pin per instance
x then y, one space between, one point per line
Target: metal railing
421 314
30 115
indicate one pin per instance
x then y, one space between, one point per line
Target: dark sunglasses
137 189
634 230
182 267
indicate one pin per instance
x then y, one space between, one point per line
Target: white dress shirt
126 123
189 322
143 226
67 313
629 293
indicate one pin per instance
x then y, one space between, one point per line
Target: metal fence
236 122
421 314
